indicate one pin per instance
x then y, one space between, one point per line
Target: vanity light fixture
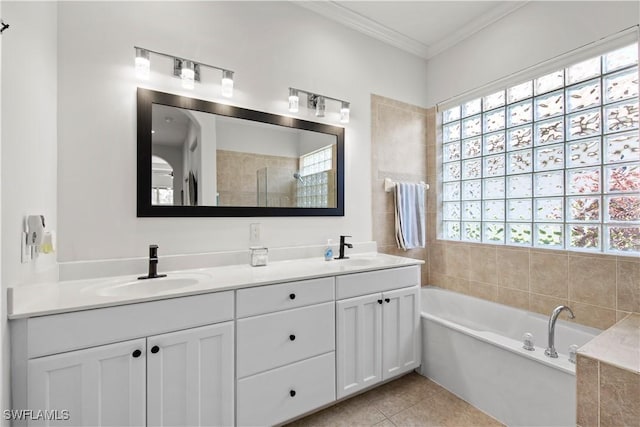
318 103
320 107
143 65
227 83
188 70
294 100
188 74
344 112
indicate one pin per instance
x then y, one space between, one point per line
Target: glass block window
314 189
553 162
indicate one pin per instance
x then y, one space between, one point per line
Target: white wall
270 46
532 34
29 139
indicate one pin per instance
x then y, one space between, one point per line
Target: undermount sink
150 287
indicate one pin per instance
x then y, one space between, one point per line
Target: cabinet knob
155 349
292 337
136 353
292 393
387 300
292 296
379 301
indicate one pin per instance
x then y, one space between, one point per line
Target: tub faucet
551 349
344 244
153 264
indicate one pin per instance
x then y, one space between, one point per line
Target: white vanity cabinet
102 385
285 350
148 376
377 333
255 354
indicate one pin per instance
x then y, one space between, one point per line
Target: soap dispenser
328 251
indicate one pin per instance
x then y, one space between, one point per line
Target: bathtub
473 348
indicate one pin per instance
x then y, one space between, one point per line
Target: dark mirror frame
146 99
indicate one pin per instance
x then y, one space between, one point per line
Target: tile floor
411 400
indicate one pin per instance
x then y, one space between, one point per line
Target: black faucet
342 246
153 264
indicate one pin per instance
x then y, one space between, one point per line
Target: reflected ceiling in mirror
200 158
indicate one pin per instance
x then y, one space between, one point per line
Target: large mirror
201 158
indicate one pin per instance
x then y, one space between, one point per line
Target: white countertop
60 297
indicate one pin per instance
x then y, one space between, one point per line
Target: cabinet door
358 344
190 377
400 331
102 385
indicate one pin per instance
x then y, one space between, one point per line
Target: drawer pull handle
155 349
136 353
292 296
387 300
292 393
292 337
379 301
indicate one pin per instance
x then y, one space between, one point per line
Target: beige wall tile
619 397
628 276
621 315
438 258
594 316
592 280
544 305
483 290
512 268
513 298
482 263
456 284
587 391
548 274
457 260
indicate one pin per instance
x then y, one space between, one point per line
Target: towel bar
389 184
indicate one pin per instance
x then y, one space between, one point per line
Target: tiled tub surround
474 349
242 346
608 371
601 289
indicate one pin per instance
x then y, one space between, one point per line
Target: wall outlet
254 234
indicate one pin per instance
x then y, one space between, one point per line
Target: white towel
410 215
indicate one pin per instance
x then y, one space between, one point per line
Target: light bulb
344 112
188 75
294 100
143 65
227 83
320 106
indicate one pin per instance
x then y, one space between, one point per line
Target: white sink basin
150 287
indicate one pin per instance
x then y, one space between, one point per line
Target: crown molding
369 27
475 25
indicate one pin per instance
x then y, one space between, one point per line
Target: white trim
477 24
364 25
371 28
611 42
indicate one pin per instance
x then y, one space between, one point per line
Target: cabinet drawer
81 329
266 399
267 299
272 340
353 285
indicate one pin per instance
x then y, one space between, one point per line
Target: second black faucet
153 264
344 244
